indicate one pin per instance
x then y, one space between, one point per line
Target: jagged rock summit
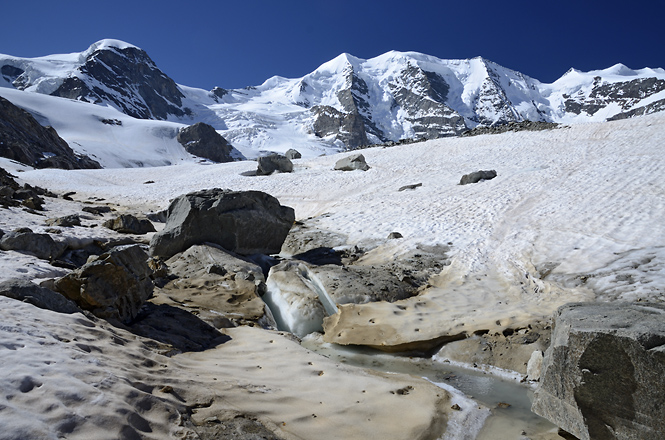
109 72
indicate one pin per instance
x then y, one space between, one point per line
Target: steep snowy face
110 72
411 95
614 93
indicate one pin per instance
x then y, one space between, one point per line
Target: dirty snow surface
575 213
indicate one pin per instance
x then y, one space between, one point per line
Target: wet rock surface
602 377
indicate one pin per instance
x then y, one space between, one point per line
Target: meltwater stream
509 401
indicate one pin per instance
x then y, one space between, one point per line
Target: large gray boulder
603 375
352 162
112 285
477 176
29 292
244 222
203 140
41 246
272 163
130 224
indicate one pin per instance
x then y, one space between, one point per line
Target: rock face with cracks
112 285
602 377
244 222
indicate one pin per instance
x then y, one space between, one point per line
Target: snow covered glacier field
575 214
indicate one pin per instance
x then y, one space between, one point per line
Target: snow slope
574 214
566 202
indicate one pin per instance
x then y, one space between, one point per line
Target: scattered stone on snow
604 373
274 162
477 176
394 235
293 154
97 210
129 224
352 162
27 291
244 222
65 222
112 285
41 246
406 187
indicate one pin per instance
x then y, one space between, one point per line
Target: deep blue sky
204 43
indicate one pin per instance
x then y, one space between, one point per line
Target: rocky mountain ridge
347 102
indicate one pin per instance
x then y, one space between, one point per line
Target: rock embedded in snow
112 285
66 221
293 154
477 176
244 222
603 374
41 297
271 163
352 162
40 245
203 140
130 224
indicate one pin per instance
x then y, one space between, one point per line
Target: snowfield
575 213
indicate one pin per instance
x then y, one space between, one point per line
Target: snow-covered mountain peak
108 43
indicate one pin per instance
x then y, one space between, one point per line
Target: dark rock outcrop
112 285
604 373
352 162
244 222
203 140
127 79
41 297
129 224
24 140
272 163
477 176
40 245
